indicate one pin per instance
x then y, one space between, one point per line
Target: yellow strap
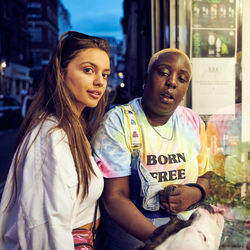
134 128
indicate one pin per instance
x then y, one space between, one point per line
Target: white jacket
45 211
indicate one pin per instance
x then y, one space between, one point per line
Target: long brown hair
54 98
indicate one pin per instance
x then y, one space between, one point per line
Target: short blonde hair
155 56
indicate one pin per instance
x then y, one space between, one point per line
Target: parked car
10 112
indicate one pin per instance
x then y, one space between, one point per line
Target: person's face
86 77
167 83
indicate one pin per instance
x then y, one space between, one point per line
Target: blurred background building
42 16
28 35
15 47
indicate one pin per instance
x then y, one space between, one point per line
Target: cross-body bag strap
94 224
135 137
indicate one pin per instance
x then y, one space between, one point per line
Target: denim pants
117 238
149 186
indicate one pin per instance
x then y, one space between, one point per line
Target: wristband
203 195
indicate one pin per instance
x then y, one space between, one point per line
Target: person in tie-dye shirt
173 150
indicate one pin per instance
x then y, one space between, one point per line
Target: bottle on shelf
204 14
196 44
213 14
218 45
196 12
211 44
231 13
222 14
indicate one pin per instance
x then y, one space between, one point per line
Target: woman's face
167 83
86 77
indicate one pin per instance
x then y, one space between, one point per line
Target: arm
203 181
123 211
49 193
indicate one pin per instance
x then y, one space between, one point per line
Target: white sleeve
48 194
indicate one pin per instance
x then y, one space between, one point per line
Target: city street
7 141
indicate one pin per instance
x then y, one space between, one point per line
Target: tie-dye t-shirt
174 153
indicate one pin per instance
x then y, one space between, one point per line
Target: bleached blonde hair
155 56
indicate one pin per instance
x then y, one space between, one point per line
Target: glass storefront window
211 33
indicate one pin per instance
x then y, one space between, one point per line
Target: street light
3 65
120 75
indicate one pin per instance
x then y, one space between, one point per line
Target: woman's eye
163 73
182 79
105 76
88 70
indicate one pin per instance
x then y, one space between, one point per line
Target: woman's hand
180 199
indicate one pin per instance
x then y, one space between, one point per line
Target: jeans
149 187
117 238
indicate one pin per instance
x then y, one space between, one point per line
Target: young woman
173 153
53 183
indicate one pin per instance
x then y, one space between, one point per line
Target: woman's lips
166 98
94 93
